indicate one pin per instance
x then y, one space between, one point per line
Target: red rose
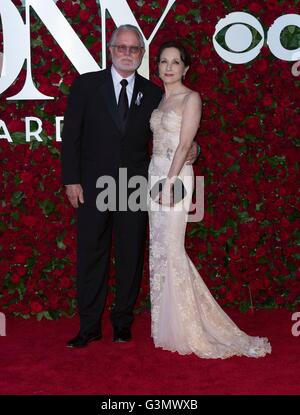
42 284
73 12
273 5
67 5
65 283
183 30
267 100
181 9
146 9
47 40
54 78
20 258
222 291
15 125
84 15
261 251
96 21
262 65
284 223
15 278
284 236
255 8
277 119
90 3
72 293
36 307
208 28
69 78
229 297
253 123
84 30
54 301
292 131
26 176
279 300
205 52
156 12
29 221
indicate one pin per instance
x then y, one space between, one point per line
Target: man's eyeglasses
133 50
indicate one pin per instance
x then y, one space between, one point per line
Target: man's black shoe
83 340
122 334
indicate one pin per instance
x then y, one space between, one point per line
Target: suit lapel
107 92
109 97
133 106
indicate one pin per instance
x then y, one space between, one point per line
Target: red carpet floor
35 361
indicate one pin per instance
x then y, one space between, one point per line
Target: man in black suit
106 127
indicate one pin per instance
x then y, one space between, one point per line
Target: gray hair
127 27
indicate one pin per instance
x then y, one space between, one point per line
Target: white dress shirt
117 78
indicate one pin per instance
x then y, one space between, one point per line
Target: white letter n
62 32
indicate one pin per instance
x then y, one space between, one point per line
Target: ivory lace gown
185 316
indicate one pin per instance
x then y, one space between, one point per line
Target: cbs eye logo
244 37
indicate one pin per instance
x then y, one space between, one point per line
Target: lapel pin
139 98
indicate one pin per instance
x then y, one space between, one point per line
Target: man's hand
74 193
192 154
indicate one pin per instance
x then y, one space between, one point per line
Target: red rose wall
247 246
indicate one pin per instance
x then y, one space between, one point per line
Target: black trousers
94 236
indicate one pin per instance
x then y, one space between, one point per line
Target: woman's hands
166 195
192 154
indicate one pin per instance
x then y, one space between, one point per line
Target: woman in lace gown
184 315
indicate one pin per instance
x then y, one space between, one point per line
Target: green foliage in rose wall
246 248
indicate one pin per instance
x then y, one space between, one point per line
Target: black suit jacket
93 142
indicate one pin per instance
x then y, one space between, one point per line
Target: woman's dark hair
185 56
